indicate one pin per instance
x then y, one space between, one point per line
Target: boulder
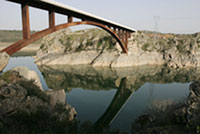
4 58
72 112
29 75
57 97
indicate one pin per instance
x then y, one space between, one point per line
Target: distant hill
12 35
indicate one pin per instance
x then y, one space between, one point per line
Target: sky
167 16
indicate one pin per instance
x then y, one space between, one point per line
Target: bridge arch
24 42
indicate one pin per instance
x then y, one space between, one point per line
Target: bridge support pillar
129 34
114 29
123 36
119 33
51 19
126 40
25 21
70 19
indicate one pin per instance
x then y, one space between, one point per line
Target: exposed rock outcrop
4 58
24 106
194 104
29 75
97 48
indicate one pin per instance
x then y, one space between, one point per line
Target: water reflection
114 97
126 82
87 77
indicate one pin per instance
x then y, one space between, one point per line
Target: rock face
97 48
4 58
93 47
23 105
194 103
29 75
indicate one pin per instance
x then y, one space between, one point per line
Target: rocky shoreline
26 108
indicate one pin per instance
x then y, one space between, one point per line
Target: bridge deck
67 10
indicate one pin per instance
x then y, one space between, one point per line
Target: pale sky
175 16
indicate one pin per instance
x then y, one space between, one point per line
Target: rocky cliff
97 48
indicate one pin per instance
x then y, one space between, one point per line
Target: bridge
120 32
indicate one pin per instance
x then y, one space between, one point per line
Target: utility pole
156 20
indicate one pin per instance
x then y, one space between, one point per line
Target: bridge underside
121 35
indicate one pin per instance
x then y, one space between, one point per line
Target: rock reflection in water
126 80
87 77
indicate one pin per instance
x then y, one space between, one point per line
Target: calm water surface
116 97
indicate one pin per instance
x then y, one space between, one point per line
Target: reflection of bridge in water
119 101
91 80
105 79
121 97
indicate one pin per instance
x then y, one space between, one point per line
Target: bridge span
120 32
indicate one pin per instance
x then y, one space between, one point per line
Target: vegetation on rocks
98 48
91 39
178 50
182 43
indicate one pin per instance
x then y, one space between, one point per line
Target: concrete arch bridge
120 32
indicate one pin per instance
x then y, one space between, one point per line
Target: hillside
12 35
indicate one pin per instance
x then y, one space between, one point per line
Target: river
115 97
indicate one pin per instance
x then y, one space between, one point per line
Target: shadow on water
125 80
